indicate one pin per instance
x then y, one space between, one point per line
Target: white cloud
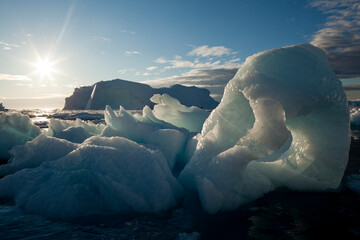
130 53
8 46
126 31
177 57
100 38
47 96
24 84
206 51
143 74
189 64
161 60
10 77
125 70
152 68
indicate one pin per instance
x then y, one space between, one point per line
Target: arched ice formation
283 122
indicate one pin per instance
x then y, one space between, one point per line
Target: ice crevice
283 122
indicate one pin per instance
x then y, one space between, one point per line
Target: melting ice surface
283 122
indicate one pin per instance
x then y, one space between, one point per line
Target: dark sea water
278 215
281 214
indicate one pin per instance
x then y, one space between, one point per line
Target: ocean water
278 215
281 214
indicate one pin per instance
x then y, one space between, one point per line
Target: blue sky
167 41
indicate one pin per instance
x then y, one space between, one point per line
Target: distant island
133 96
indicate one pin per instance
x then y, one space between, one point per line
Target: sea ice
15 129
102 176
153 135
283 121
35 152
80 115
74 131
171 110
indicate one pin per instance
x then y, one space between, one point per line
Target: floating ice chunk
171 110
149 118
102 176
35 152
15 129
283 121
170 141
74 131
80 115
74 134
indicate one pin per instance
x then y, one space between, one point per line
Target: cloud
8 46
340 37
152 68
130 53
206 51
126 31
99 38
143 74
160 60
10 77
214 79
188 64
24 84
43 97
125 70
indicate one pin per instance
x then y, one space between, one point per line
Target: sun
44 68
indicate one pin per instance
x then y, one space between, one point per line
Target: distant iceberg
283 122
133 96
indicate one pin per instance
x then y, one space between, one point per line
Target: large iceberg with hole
283 122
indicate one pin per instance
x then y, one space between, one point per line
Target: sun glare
44 67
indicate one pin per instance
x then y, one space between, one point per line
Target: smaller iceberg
15 129
102 176
172 111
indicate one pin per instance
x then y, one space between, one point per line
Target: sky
47 48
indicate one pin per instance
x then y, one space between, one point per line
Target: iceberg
74 131
32 154
15 129
283 122
170 141
102 176
172 111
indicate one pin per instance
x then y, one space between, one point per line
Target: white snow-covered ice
15 129
102 176
171 110
283 122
